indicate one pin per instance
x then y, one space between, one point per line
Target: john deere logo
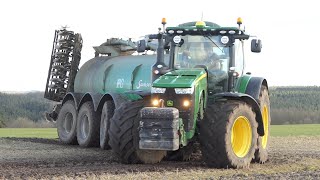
169 103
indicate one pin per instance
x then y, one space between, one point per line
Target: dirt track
290 158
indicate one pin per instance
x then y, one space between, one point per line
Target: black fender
249 100
100 99
97 99
254 86
117 99
75 97
80 98
94 97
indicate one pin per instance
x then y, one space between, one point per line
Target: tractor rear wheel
124 135
106 115
261 154
66 123
88 125
228 134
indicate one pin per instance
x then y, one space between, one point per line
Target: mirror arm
241 36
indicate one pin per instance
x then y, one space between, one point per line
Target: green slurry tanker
146 108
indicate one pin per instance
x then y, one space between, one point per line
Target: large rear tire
67 122
88 126
106 115
124 135
261 154
228 135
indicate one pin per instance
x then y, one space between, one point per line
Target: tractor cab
219 50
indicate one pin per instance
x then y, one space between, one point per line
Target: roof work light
200 24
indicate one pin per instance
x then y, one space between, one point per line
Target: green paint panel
183 78
242 83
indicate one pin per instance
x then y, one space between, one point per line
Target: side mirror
141 46
256 45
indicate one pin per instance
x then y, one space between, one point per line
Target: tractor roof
204 28
193 24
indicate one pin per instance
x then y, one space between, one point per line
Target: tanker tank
115 74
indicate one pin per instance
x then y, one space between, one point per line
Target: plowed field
29 158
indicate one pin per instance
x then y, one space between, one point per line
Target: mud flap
159 129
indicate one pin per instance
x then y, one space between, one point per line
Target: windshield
201 50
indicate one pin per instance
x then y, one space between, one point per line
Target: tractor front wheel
124 135
228 135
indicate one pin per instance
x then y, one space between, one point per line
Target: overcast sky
288 29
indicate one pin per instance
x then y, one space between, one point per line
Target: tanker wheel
66 123
124 135
88 126
261 154
228 135
106 115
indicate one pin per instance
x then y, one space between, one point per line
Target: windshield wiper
213 43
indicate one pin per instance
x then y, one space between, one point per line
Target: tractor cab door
239 56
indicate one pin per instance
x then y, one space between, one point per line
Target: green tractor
147 108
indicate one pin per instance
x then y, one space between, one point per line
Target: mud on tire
106 115
67 122
123 131
88 125
261 154
124 135
228 134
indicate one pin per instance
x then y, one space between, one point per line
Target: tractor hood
182 78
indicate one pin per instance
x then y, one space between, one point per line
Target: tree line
30 106
295 105
289 105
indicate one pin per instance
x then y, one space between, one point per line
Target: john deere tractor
147 108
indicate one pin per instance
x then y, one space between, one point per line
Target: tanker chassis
152 107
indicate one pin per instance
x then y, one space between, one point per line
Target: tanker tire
88 126
261 154
66 123
124 135
221 120
106 115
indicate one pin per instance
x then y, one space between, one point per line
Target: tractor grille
186 113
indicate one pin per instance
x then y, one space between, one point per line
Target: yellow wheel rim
241 136
265 119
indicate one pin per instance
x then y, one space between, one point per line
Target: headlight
155 90
184 90
186 103
155 102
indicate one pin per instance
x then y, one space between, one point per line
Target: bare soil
32 158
